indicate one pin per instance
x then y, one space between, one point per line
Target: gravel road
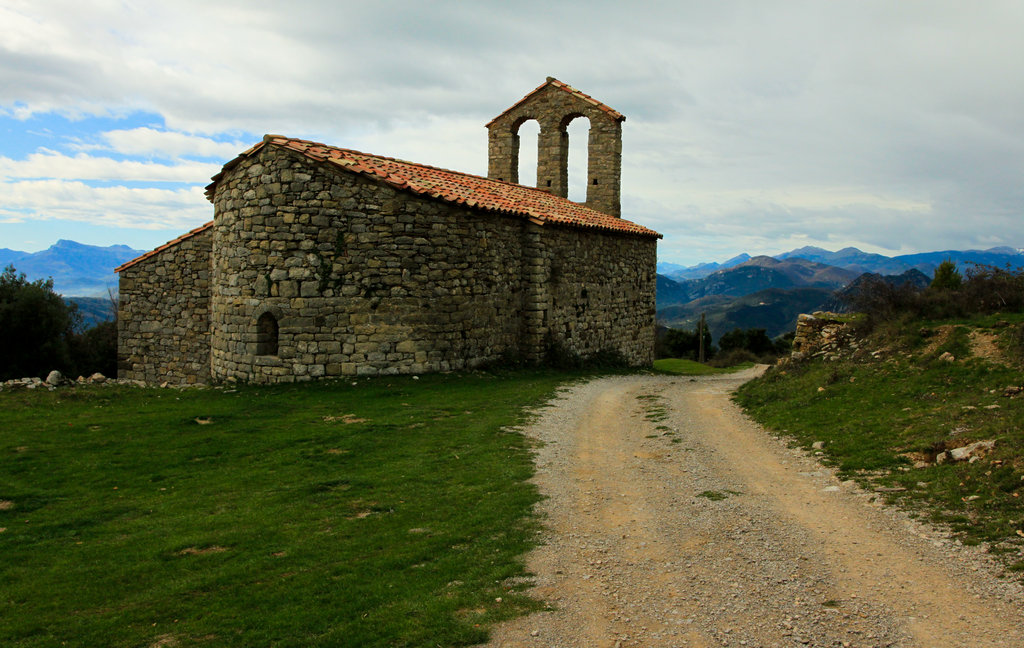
672 520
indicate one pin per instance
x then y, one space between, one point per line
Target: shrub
94 349
39 333
36 326
947 277
985 291
733 357
754 340
682 343
784 343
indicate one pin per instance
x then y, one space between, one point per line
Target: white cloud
147 142
127 207
51 164
877 122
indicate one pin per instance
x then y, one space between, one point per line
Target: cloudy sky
755 126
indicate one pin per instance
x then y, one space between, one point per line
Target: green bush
985 291
734 357
682 343
36 326
947 277
39 333
94 349
754 340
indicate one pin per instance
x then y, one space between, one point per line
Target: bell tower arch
554 104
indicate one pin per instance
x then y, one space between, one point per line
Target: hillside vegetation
926 407
42 332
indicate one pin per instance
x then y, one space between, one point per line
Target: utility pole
700 338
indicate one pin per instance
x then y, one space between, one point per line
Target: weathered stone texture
554 107
363 280
311 270
600 290
823 334
163 315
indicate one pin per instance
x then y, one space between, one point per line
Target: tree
94 350
681 343
947 277
754 340
35 326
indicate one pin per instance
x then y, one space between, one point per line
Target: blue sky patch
59 133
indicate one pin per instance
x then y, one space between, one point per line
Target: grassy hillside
390 512
886 413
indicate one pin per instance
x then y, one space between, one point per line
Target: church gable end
163 312
364 279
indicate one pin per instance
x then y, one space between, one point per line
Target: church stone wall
601 291
362 280
163 314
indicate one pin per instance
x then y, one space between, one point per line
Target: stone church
324 261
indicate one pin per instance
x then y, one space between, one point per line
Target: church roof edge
450 186
555 83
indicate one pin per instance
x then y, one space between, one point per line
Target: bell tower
554 104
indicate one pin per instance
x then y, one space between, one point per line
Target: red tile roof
473 191
189 234
555 83
540 207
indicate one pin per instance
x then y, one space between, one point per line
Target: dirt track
674 521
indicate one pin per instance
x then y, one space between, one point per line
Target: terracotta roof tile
553 82
189 234
451 186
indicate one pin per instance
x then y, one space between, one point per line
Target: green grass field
393 512
683 367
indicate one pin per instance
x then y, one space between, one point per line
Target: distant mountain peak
759 261
76 268
808 249
736 260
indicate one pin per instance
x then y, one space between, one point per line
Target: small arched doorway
266 335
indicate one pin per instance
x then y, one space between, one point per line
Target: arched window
266 335
528 139
578 163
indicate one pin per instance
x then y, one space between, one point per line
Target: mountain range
860 262
78 270
770 292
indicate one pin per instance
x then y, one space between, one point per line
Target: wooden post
700 338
